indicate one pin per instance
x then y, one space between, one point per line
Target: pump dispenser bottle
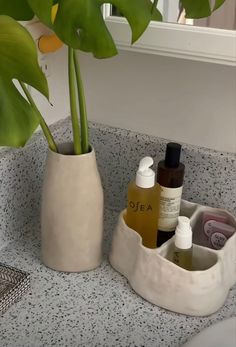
142 209
170 174
182 255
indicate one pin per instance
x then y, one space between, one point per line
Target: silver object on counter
13 284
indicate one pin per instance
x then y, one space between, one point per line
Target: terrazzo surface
21 176
96 308
210 176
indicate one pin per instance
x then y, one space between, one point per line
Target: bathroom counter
96 308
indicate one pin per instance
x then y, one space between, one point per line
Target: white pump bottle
183 243
142 207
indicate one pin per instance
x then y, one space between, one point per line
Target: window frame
176 40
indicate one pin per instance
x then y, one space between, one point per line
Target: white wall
176 99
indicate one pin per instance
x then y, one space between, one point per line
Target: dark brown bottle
170 175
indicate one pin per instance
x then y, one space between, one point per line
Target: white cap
145 177
183 233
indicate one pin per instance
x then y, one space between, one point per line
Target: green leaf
86 16
200 8
18 120
42 10
18 60
197 8
18 9
139 14
218 3
18 55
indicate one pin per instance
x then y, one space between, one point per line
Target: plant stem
73 105
154 5
82 106
51 143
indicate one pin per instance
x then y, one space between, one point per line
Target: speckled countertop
96 308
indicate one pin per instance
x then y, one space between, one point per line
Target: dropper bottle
170 175
142 206
182 254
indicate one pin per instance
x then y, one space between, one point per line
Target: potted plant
72 200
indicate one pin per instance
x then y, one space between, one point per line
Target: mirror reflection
173 12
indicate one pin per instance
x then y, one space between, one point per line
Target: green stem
73 105
82 106
51 143
154 5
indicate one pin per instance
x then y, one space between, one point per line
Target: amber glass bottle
170 175
142 204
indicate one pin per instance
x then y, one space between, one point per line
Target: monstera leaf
26 9
80 23
200 8
18 9
86 16
43 9
18 60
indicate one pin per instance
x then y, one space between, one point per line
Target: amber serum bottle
170 175
142 205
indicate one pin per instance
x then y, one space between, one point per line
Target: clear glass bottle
142 206
182 254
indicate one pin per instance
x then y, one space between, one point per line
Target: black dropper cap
172 157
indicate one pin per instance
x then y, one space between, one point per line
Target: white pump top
183 233
145 177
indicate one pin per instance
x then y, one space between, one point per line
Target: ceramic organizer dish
199 292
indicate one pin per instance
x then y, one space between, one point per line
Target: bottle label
137 206
170 199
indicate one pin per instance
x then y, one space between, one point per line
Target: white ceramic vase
72 211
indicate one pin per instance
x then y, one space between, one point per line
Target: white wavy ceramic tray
199 292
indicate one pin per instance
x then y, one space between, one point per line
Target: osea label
137 206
